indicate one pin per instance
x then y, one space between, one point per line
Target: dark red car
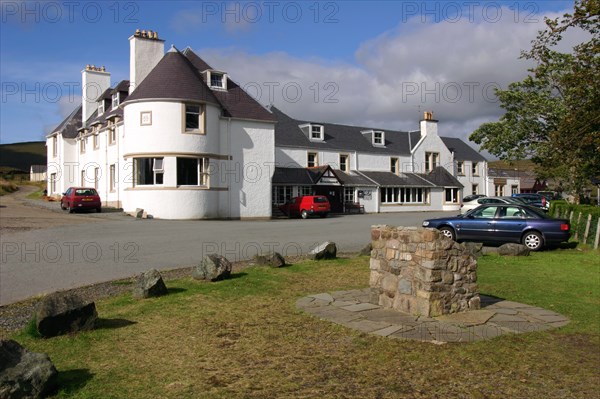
81 198
307 205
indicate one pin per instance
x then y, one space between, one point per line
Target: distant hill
22 155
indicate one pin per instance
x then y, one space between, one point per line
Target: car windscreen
87 191
321 200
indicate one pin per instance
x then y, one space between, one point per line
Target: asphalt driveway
104 247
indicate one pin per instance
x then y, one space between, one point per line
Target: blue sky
367 63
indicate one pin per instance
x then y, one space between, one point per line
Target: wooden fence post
597 235
587 228
577 226
571 217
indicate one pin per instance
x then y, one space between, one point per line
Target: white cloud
449 68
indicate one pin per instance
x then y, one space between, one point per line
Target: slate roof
462 151
39 168
351 138
340 137
178 75
353 179
442 178
174 77
310 176
393 180
69 126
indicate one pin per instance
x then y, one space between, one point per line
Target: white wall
248 174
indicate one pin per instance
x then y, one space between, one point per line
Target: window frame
404 195
315 160
499 190
349 195
432 160
156 171
209 80
454 195
201 118
379 141
474 189
475 168
281 193
115 104
345 161
112 175
54 146
82 144
320 133
202 174
395 165
101 107
460 168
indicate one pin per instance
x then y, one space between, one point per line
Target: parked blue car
502 223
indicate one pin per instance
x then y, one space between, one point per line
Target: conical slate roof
179 76
174 77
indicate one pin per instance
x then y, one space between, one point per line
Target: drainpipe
229 190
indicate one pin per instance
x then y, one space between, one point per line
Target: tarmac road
84 249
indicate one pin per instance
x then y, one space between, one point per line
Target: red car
80 198
306 206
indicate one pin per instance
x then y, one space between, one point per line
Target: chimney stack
94 81
428 125
145 51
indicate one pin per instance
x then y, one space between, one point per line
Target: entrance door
334 194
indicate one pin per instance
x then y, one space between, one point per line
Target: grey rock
475 248
149 284
24 374
366 251
405 286
63 313
213 267
271 259
326 250
512 249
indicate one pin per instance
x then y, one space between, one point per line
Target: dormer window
217 80
316 133
115 100
378 137
100 107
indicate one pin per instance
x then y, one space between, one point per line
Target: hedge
563 209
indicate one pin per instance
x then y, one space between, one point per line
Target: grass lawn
244 338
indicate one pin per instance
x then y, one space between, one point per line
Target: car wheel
98 210
64 208
533 240
71 210
448 232
304 214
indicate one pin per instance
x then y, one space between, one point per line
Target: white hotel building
181 140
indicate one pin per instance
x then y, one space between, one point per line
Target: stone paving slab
496 318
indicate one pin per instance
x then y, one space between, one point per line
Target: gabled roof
339 137
462 151
69 126
311 176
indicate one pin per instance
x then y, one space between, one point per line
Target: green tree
553 115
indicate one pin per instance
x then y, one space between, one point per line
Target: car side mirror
64 193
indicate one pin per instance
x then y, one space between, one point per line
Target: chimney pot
156 35
137 32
